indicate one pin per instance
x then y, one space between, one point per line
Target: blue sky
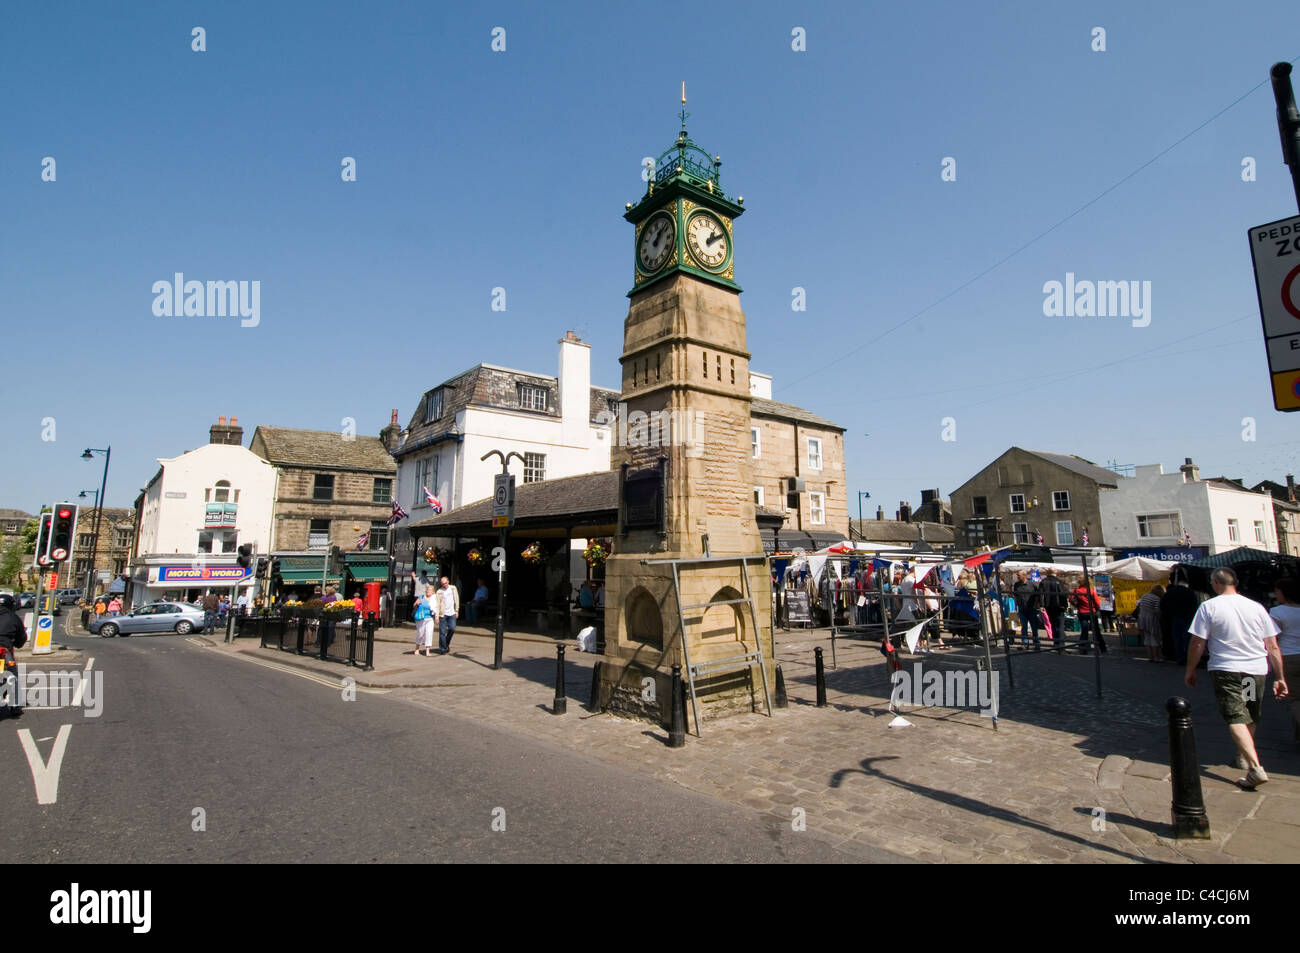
478 169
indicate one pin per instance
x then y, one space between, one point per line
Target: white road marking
81 683
45 774
289 670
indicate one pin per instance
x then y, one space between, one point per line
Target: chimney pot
880 512
234 421
221 421
394 420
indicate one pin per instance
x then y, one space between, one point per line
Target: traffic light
245 559
42 554
62 531
261 565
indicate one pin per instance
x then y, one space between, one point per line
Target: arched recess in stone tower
723 622
641 618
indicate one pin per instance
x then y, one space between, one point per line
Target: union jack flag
362 540
1038 538
433 500
398 513
1085 537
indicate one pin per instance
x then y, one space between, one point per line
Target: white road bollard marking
81 685
45 774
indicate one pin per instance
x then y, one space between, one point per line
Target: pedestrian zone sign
1275 251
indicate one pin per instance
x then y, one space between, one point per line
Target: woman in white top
1287 616
426 606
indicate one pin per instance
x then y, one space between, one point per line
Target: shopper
1286 614
1148 615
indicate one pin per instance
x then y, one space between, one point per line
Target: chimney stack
391 436
905 512
880 512
1190 471
1290 487
230 434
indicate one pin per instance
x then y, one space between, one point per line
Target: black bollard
821 678
593 703
302 634
1190 819
561 703
677 720
371 624
779 699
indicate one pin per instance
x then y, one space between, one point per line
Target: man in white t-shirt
1242 641
448 610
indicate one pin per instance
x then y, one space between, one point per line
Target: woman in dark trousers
1052 596
1088 606
1177 609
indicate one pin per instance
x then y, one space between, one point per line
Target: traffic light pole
1288 121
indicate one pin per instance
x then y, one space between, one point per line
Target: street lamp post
498 648
82 496
861 494
99 510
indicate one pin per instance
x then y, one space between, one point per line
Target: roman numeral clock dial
657 241
707 240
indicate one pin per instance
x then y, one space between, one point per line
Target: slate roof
590 497
15 515
322 449
775 408
1087 468
897 531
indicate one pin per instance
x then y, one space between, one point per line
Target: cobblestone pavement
1062 777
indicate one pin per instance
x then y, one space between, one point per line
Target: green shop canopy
369 570
305 575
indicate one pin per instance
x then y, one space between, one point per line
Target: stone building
112 554
1026 493
1286 513
798 461
332 489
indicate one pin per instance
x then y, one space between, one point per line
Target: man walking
210 603
448 609
1026 596
1052 596
1242 641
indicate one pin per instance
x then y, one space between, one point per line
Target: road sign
499 522
1275 251
503 499
54 581
41 645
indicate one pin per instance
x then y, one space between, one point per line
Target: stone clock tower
685 454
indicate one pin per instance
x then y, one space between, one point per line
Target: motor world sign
1275 251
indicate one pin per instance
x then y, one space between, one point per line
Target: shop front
160 578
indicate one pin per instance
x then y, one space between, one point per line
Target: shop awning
118 587
369 570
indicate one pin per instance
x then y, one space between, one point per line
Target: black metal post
324 634
498 647
352 641
1096 627
1006 641
593 704
302 634
561 703
780 700
1288 121
821 678
677 718
1190 819
371 624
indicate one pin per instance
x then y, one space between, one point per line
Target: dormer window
531 397
432 405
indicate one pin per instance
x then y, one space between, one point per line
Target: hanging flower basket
475 556
595 554
533 554
430 555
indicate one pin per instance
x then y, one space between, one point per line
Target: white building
554 422
196 512
1154 510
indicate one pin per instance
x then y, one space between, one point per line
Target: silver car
175 617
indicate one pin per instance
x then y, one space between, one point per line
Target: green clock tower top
684 220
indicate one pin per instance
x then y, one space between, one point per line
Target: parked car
69 596
26 600
156 617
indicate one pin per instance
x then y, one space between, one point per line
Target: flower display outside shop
533 554
340 607
595 554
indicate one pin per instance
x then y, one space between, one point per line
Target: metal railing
349 641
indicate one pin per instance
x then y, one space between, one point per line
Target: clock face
657 242
707 240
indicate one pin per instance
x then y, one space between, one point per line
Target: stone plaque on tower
687 472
